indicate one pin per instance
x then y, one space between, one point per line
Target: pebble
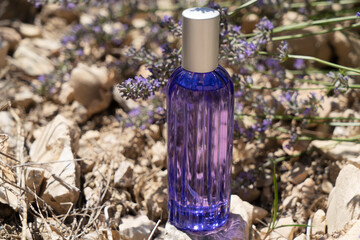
136 228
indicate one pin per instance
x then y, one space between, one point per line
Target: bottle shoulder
210 81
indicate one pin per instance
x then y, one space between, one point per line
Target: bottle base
198 220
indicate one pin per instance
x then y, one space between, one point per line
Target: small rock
249 23
47 44
326 186
11 36
66 94
151 192
307 191
290 202
29 30
301 237
8 127
57 146
136 228
158 153
284 232
33 180
33 64
91 87
123 175
249 195
343 204
79 112
4 47
89 150
318 224
298 173
49 109
24 98
255 213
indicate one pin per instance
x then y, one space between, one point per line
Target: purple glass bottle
200 108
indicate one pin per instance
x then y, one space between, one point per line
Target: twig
107 219
154 229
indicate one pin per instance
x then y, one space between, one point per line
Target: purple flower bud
41 78
134 112
358 14
143 127
159 110
299 64
166 19
264 25
97 29
79 52
70 5
236 29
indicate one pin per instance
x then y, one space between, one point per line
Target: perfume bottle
200 111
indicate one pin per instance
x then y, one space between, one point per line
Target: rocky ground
72 169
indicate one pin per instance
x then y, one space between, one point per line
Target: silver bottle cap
200 42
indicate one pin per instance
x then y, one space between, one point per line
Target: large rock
11 36
136 228
347 48
236 228
344 199
92 87
32 63
351 230
56 148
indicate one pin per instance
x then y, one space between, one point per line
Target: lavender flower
283 51
299 64
236 29
358 14
264 25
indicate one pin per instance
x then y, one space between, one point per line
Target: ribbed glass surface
200 131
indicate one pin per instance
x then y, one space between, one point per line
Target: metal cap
200 43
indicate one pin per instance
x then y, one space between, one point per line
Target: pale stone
284 232
151 192
136 228
158 153
255 213
91 87
344 198
348 151
298 173
123 175
301 237
352 231
33 180
11 36
318 224
307 191
290 202
33 64
47 44
24 98
326 186
66 94
9 194
29 30
56 148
